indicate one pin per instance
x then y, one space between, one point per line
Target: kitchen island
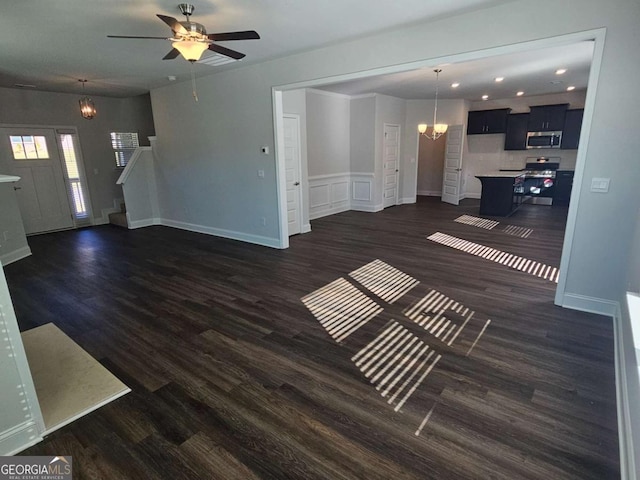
502 193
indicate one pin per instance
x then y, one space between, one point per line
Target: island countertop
497 174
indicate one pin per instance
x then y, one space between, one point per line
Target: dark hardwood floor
233 377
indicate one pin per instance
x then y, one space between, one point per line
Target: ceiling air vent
216 60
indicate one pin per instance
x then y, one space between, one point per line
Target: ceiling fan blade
226 51
223 37
173 23
172 54
130 36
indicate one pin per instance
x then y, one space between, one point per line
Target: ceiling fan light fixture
191 50
87 107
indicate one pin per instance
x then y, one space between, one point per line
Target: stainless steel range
539 182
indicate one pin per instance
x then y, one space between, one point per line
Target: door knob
17 188
297 183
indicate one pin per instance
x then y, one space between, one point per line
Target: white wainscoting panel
362 188
328 194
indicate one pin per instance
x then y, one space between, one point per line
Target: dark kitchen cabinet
516 134
571 130
547 118
487 121
563 186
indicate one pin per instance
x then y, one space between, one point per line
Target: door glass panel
41 147
28 147
17 147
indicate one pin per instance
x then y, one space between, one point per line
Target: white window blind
73 175
124 144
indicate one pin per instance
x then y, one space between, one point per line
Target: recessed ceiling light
520 93
570 87
485 97
499 79
560 71
455 85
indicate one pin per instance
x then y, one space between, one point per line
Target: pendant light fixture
439 129
87 107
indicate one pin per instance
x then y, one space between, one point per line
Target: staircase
119 219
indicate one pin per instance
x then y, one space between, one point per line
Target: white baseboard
329 211
306 228
14 256
590 304
430 193
367 208
104 219
219 232
147 222
407 200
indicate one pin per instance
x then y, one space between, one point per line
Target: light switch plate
600 185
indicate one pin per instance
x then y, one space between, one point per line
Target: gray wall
363 114
328 137
431 165
133 114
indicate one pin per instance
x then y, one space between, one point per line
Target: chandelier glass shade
87 107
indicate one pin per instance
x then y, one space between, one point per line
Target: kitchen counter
8 178
500 174
502 192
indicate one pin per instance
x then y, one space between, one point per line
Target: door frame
384 139
61 130
597 35
303 176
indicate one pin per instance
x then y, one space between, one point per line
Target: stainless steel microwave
544 139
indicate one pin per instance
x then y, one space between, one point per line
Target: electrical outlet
260 173
265 150
6 234
263 220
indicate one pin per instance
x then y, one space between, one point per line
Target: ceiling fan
191 39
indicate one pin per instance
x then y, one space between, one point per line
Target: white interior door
452 175
292 168
32 154
390 163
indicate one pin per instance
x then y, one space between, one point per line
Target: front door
32 154
292 168
390 162
452 175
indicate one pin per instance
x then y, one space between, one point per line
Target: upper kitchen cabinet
517 128
547 118
487 121
571 130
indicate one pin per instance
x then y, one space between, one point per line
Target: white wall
13 242
28 107
214 148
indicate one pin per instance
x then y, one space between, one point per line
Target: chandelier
438 128
87 107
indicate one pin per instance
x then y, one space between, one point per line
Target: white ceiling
532 72
53 43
